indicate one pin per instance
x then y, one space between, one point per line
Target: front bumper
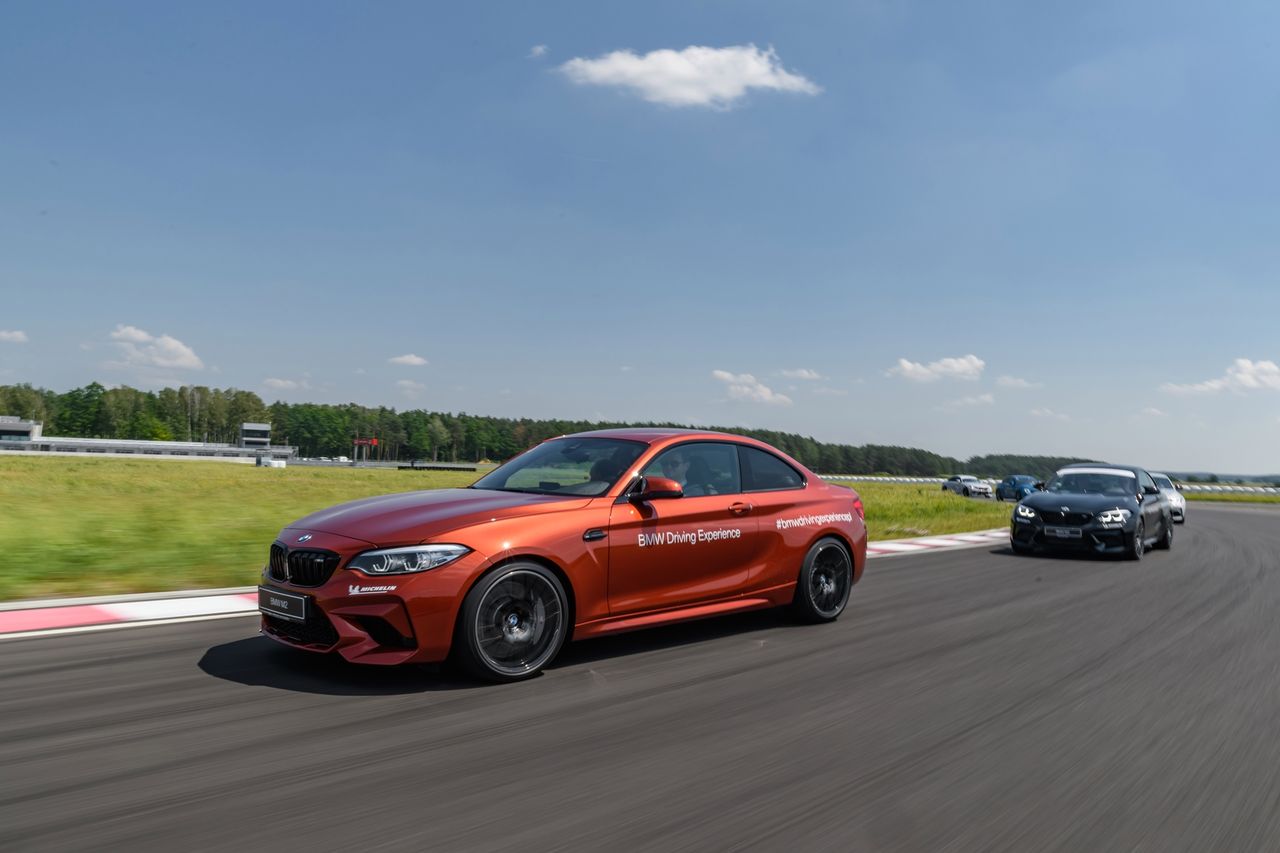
1093 537
385 620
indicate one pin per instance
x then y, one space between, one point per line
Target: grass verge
100 526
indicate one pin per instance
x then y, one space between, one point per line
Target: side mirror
1039 487
1150 490
657 488
1178 487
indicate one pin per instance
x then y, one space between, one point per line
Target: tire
1138 544
1000 496
944 488
826 577
966 492
513 623
1166 541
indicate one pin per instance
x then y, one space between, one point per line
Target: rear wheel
966 491
1166 541
512 624
826 576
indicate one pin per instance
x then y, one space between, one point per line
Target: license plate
286 605
1063 532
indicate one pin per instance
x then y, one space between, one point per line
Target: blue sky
985 227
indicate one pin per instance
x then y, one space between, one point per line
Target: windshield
1092 483
565 466
1164 483
1024 480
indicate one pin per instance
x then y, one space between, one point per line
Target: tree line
198 413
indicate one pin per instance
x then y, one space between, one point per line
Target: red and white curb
72 616
950 542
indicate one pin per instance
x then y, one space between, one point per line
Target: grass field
1230 497
98 526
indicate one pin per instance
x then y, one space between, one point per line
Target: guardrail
1186 487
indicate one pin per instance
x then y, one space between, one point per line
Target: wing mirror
1178 486
1150 490
1040 486
656 488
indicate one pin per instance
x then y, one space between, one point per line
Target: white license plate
1064 532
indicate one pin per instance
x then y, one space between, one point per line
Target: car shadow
671 636
1056 555
261 662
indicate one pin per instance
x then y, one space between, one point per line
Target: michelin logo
357 589
812 520
688 537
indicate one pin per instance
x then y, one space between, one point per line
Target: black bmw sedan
1093 507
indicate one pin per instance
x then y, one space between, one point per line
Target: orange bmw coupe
581 536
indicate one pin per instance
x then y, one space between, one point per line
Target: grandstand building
22 436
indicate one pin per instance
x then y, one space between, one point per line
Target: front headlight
406 561
1114 516
1026 512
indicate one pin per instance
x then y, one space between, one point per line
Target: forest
199 413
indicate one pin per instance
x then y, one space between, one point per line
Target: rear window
764 472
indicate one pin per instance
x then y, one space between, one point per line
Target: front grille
302 568
1077 519
316 631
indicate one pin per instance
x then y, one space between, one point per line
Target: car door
1153 505
677 551
1007 488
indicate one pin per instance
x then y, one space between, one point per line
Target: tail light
858 508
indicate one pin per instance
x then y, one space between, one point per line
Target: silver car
963 484
1177 501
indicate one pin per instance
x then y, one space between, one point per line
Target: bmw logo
306 537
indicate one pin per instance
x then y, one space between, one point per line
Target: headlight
406 561
1026 512
1114 516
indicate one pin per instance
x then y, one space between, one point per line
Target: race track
967 701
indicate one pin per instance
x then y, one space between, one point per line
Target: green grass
1232 497
903 510
100 526
97 526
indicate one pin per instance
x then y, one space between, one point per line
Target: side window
763 472
701 468
1144 480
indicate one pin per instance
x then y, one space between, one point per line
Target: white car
963 484
1177 501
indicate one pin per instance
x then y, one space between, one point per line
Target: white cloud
410 388
1242 375
968 367
142 349
537 51
830 392
409 359
802 373
285 384
697 76
966 402
16 336
1154 412
1015 382
744 386
1049 413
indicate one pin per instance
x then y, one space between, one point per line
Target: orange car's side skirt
635 622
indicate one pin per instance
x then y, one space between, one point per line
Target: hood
414 516
1079 502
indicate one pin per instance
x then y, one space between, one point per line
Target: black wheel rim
1139 540
519 622
829 580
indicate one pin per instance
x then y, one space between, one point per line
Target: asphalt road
970 700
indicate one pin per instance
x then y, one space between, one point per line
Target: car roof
1133 469
650 435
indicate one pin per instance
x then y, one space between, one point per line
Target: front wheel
1138 544
513 623
826 576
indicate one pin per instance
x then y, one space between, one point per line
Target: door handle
739 508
